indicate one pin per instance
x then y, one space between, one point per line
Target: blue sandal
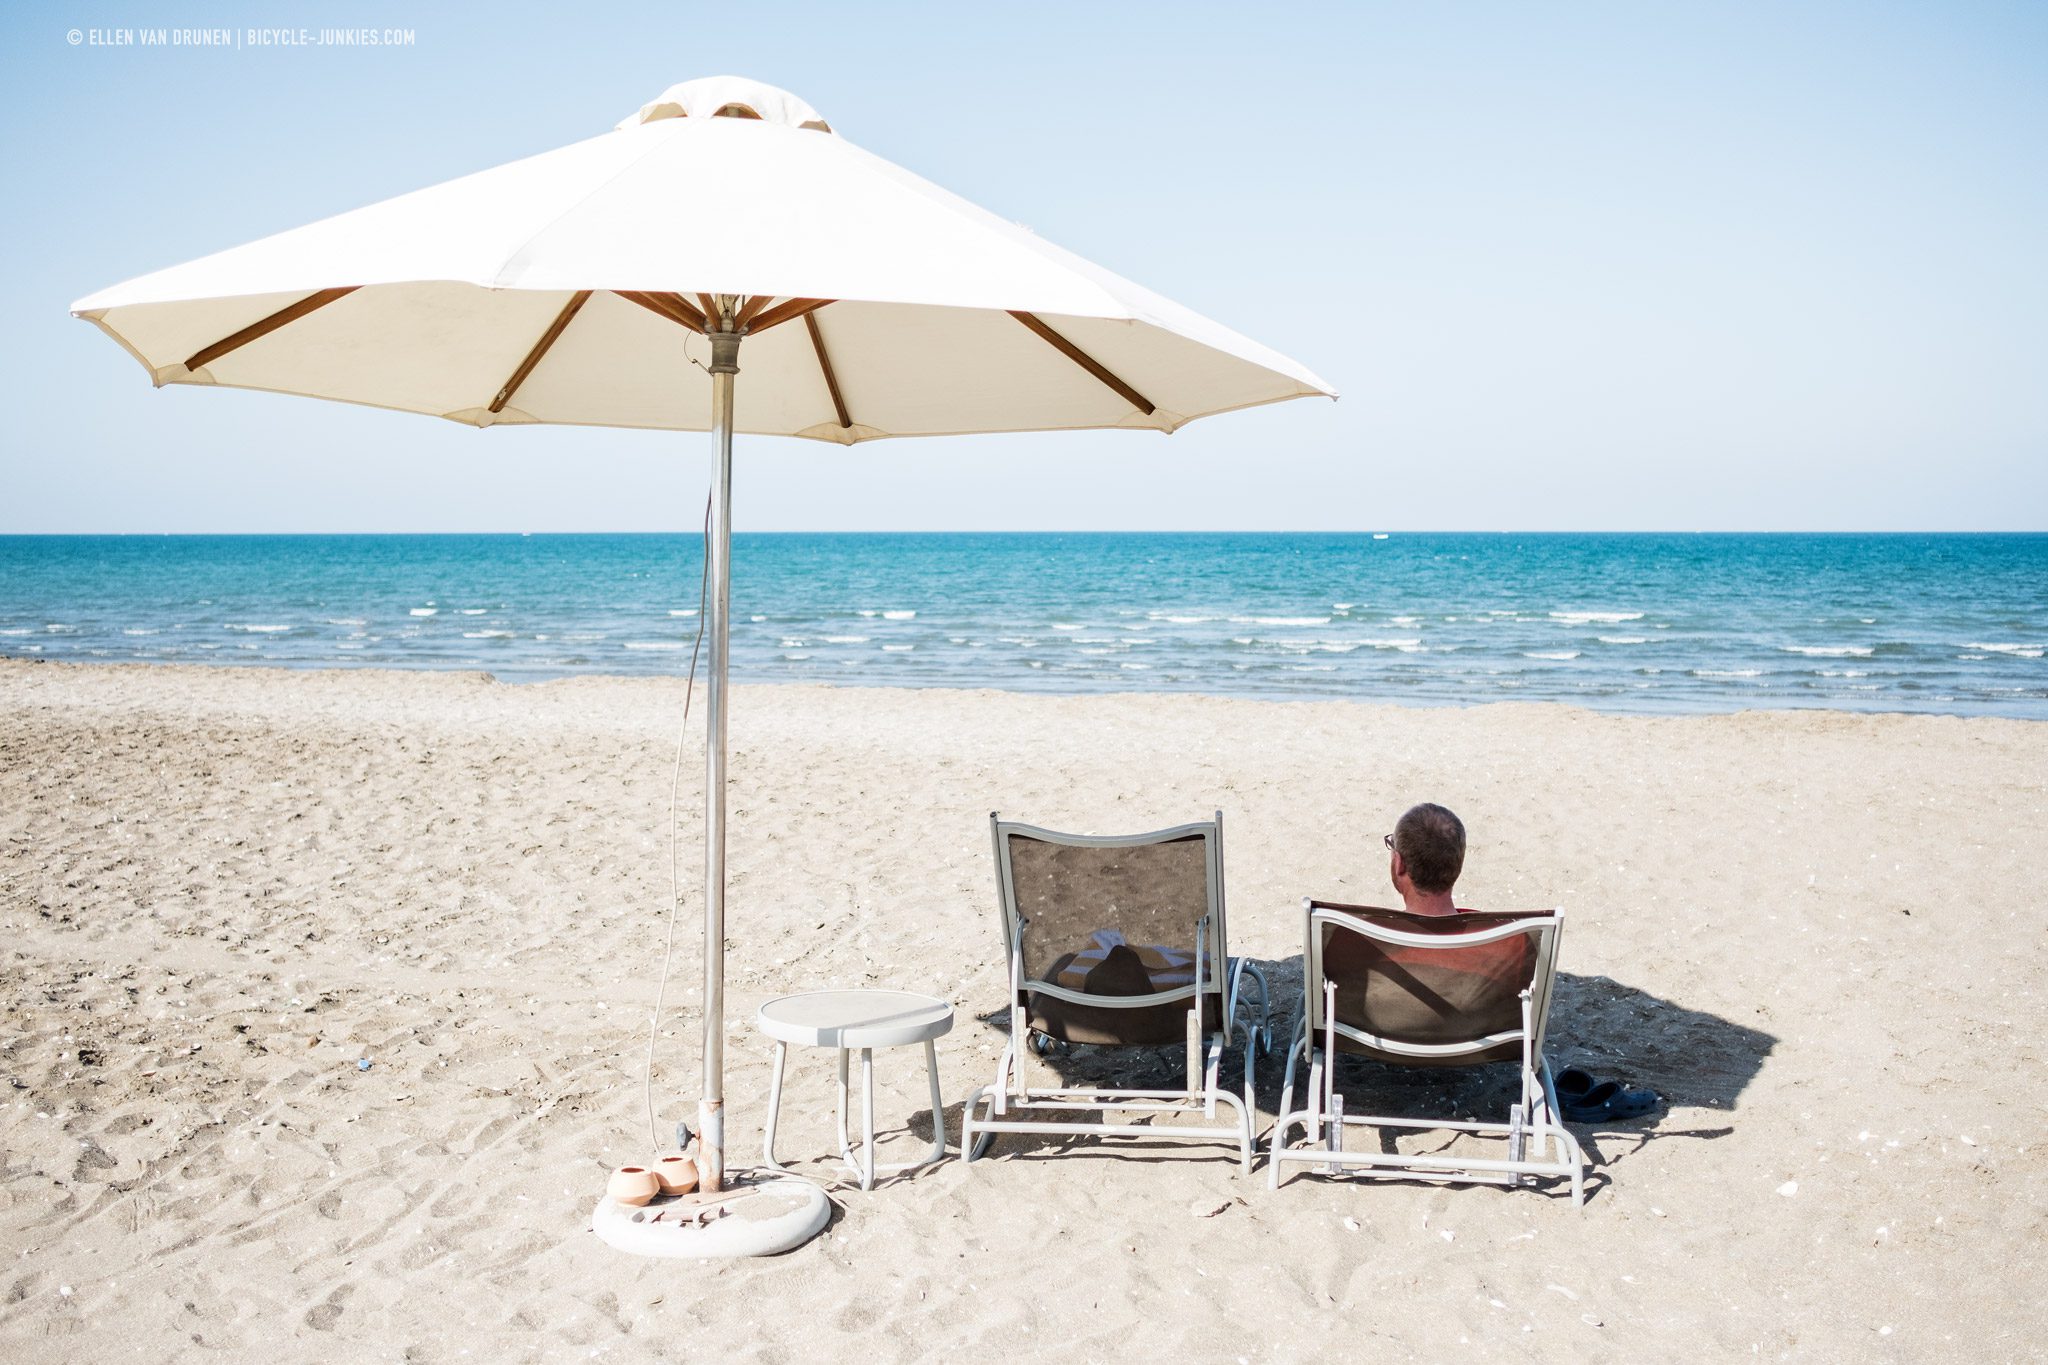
1572 1084
1605 1102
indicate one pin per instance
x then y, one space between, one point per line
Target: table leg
845 1147
931 1071
774 1107
846 1152
867 1125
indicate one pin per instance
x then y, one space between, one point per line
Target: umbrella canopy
578 287
565 288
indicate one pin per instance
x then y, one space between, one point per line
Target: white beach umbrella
577 286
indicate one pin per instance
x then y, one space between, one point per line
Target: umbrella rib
783 312
540 348
674 307
1085 361
710 307
753 309
320 298
825 365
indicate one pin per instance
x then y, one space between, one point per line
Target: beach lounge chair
1118 941
1422 990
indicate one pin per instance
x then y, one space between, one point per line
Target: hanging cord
675 847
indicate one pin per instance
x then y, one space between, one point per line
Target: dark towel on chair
1121 972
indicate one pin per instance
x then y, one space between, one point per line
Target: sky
1709 266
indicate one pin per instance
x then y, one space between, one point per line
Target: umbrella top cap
728 97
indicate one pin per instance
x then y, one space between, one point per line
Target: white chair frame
1532 1122
1011 1102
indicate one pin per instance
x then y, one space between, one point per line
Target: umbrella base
749 1218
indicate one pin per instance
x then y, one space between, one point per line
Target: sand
221 889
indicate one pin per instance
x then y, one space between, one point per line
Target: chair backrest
1431 990
1108 934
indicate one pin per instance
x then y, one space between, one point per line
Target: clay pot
633 1185
677 1174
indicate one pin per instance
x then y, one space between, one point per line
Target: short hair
1431 842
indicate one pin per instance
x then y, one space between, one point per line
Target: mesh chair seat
1428 996
1114 921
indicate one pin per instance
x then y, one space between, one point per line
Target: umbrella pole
725 351
780 1213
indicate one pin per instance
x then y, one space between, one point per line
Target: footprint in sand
321 1317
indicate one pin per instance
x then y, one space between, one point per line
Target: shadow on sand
1693 1059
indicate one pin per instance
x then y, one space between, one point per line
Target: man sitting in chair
1428 848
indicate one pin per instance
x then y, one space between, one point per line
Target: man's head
1429 850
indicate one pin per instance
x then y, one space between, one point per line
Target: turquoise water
1933 623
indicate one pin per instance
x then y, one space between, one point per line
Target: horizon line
1061 531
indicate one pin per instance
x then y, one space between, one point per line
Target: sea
1668 623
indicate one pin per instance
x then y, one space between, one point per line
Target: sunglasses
1388 839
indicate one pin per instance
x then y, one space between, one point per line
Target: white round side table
866 1020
